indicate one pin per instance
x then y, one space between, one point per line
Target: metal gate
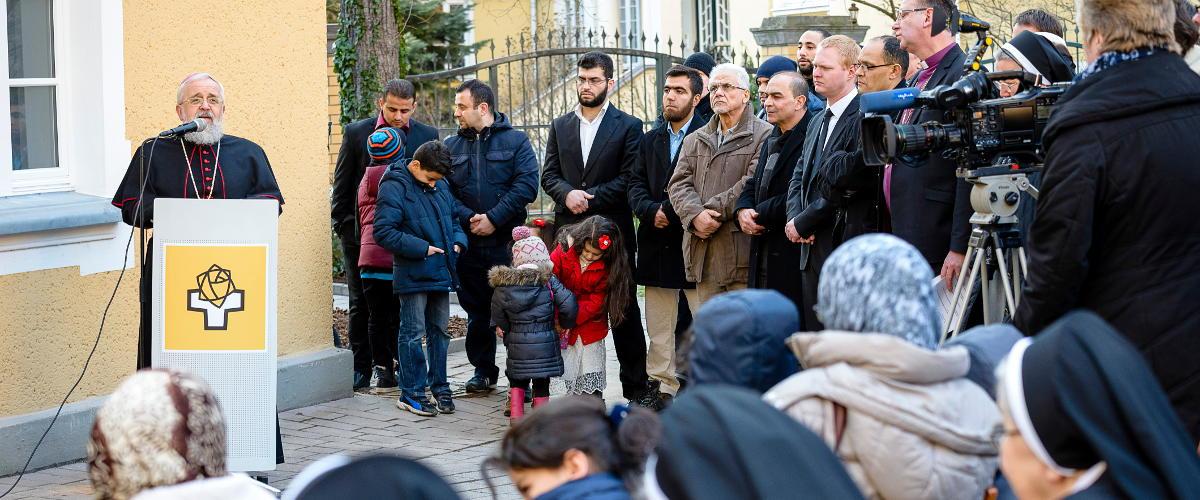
534 81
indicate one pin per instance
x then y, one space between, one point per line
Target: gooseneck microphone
197 125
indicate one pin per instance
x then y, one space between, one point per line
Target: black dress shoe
384 378
481 384
361 380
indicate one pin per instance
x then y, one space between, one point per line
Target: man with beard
660 258
589 155
806 51
200 165
714 164
396 107
494 177
762 206
826 206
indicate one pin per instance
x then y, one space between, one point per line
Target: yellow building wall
270 56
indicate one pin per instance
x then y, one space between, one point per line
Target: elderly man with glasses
204 164
714 164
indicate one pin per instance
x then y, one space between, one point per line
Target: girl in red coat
589 263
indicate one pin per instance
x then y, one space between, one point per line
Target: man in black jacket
930 207
762 206
494 176
660 234
590 153
820 217
1115 232
396 107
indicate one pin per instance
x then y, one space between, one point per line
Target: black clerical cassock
234 168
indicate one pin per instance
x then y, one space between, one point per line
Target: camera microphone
887 101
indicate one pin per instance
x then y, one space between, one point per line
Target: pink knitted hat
528 251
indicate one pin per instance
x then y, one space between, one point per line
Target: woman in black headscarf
722 441
1085 418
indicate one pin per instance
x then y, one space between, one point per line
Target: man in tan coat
714 163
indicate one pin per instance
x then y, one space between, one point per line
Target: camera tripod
995 248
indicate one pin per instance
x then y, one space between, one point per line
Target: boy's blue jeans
425 314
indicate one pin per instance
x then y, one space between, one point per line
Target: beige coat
914 428
708 177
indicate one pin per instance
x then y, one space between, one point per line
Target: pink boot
540 401
516 404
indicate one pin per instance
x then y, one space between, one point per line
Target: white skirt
583 369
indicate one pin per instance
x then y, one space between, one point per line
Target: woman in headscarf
1085 418
898 412
161 435
721 442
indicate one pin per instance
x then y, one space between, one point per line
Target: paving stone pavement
453 445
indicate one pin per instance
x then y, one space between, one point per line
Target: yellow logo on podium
215 298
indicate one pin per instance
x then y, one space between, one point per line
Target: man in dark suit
930 207
660 234
825 207
396 107
590 153
762 206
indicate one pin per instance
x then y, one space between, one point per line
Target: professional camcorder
980 130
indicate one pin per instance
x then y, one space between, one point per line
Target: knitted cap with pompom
521 232
528 251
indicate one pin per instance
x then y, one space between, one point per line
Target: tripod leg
962 302
985 290
1007 284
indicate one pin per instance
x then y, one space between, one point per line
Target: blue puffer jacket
409 218
495 173
739 340
602 486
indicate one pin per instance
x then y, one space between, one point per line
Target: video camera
981 131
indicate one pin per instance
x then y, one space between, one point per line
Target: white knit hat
528 250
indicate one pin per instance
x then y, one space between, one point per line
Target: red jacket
371 255
591 292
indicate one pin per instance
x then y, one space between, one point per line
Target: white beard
209 136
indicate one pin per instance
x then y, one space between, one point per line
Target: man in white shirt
830 195
590 153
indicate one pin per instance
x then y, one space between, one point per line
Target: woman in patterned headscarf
898 412
161 435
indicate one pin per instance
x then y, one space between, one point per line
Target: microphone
888 100
197 125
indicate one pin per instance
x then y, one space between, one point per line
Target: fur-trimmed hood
510 276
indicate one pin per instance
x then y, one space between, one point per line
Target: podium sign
214 312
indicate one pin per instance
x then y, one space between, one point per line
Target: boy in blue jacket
414 220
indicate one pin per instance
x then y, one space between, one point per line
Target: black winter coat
660 251
495 173
524 307
1115 230
767 192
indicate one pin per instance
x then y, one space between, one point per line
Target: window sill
54 230
51 211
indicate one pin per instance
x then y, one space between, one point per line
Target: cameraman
1115 230
930 207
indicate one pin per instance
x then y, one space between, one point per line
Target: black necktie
824 130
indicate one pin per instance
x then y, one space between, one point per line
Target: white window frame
38 180
90 103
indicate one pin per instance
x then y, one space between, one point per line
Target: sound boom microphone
197 125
